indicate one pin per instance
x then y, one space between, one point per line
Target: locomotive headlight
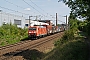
30 32
34 32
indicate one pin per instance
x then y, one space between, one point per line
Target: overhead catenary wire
13 10
14 4
29 5
23 7
32 7
59 20
40 8
37 6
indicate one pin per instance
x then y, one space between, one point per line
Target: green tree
79 8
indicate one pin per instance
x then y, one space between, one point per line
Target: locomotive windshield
32 28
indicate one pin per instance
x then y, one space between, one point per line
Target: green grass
75 49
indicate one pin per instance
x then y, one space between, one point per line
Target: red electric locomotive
37 31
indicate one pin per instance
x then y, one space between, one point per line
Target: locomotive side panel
42 30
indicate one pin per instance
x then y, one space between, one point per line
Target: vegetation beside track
10 34
72 49
72 46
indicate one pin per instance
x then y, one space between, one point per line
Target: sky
43 9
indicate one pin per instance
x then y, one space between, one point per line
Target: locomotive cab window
32 28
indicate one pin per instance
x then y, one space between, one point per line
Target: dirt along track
12 52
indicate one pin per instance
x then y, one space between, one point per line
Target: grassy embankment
10 34
70 47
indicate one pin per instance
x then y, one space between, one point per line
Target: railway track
24 45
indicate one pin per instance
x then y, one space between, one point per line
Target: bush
68 36
11 34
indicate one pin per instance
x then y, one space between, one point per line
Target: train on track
38 31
